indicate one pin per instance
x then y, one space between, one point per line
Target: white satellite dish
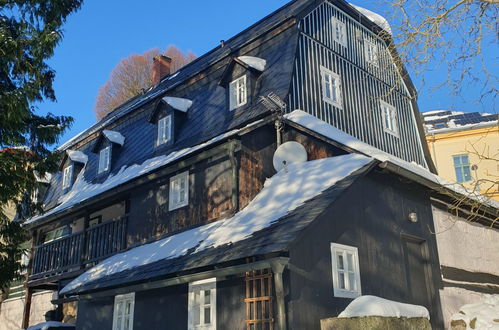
289 153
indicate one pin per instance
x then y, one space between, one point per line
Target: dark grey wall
95 314
371 215
231 309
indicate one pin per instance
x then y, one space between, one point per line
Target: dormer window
238 93
67 176
104 159
164 130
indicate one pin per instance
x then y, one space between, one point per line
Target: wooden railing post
83 248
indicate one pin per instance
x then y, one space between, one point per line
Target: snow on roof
83 190
308 121
50 324
114 137
284 192
178 103
77 156
43 179
485 313
375 18
254 62
376 306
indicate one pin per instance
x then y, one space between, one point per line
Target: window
238 93
57 233
331 87
104 159
371 52
346 273
123 311
67 176
462 168
179 191
340 32
389 114
164 130
203 305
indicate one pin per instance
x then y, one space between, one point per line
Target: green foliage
29 32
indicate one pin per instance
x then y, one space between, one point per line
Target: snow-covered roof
83 190
77 156
178 103
256 63
312 123
375 306
114 137
485 313
284 192
375 18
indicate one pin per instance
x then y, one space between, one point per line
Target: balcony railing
78 250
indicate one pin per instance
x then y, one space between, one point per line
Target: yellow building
465 148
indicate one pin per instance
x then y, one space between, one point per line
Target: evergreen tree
29 32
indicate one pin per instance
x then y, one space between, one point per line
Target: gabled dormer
107 147
168 116
240 80
71 166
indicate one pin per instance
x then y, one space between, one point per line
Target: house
169 211
464 148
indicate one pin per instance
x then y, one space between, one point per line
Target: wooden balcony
78 250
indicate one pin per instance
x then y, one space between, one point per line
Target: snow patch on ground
281 194
114 137
375 306
376 18
484 314
77 156
254 62
50 324
178 103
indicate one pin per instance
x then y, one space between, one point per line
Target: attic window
67 176
371 52
331 88
389 115
238 93
164 130
339 32
104 159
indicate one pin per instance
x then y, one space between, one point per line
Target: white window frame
339 32
200 287
177 197
390 118
164 130
123 298
371 52
238 93
67 176
331 86
351 290
104 159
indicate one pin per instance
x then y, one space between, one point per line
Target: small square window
67 176
331 88
179 191
202 305
346 272
371 52
104 159
389 116
164 130
462 168
123 311
339 32
238 93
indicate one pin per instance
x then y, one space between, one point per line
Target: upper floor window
339 32
331 87
346 272
202 305
389 114
67 176
238 93
104 159
179 191
164 130
371 52
462 168
123 311
57 234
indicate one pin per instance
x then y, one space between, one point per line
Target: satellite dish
289 153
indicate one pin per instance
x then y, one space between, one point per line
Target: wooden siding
363 84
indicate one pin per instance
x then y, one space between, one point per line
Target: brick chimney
161 67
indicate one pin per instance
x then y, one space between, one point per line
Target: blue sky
98 36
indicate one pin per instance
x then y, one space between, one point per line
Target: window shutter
167 128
